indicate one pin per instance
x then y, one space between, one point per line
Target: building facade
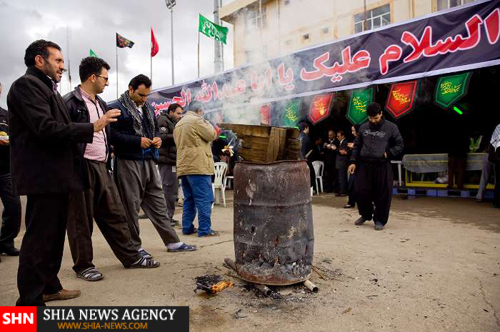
266 29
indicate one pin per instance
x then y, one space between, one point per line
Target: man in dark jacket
168 157
101 200
135 137
330 174
378 141
46 166
11 215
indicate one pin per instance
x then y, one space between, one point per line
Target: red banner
401 99
320 108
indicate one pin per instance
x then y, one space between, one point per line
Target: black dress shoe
360 221
10 251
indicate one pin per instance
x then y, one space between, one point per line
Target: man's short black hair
92 66
340 131
173 107
140 80
373 109
39 47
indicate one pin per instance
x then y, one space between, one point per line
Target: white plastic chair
319 166
219 181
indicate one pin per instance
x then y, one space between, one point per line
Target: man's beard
50 72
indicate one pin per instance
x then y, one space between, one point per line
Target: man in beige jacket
195 167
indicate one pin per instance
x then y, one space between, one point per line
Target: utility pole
170 5
217 44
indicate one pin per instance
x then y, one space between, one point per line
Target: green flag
360 99
291 114
212 30
449 89
92 53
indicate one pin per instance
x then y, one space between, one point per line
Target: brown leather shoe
63 294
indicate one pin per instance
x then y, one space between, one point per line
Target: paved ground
436 267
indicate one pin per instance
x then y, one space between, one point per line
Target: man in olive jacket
47 167
195 166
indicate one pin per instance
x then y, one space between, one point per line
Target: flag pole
198 54
151 65
116 47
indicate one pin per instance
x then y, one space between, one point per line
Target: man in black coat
342 162
11 215
378 141
46 166
168 157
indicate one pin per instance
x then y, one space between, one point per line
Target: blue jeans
198 195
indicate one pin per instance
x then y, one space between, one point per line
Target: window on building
287 2
375 18
445 4
306 36
254 16
325 30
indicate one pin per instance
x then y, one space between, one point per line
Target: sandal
145 263
184 247
90 274
144 253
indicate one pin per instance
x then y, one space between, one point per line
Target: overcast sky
93 24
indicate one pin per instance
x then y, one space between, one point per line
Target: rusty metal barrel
273 225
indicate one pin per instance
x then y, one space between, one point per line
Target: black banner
457 39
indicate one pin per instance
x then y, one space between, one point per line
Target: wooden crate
266 144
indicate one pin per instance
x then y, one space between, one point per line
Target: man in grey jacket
378 142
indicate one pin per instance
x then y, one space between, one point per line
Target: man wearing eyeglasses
46 166
101 201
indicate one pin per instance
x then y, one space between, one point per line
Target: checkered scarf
130 105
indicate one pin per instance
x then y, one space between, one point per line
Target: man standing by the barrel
135 137
378 142
195 167
46 166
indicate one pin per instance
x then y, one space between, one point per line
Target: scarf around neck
130 105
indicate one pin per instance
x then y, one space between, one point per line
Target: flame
221 285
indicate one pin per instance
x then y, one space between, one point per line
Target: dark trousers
496 193
170 185
11 216
330 176
102 203
312 175
42 248
373 186
350 190
342 178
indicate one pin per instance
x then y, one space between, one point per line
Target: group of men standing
78 159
